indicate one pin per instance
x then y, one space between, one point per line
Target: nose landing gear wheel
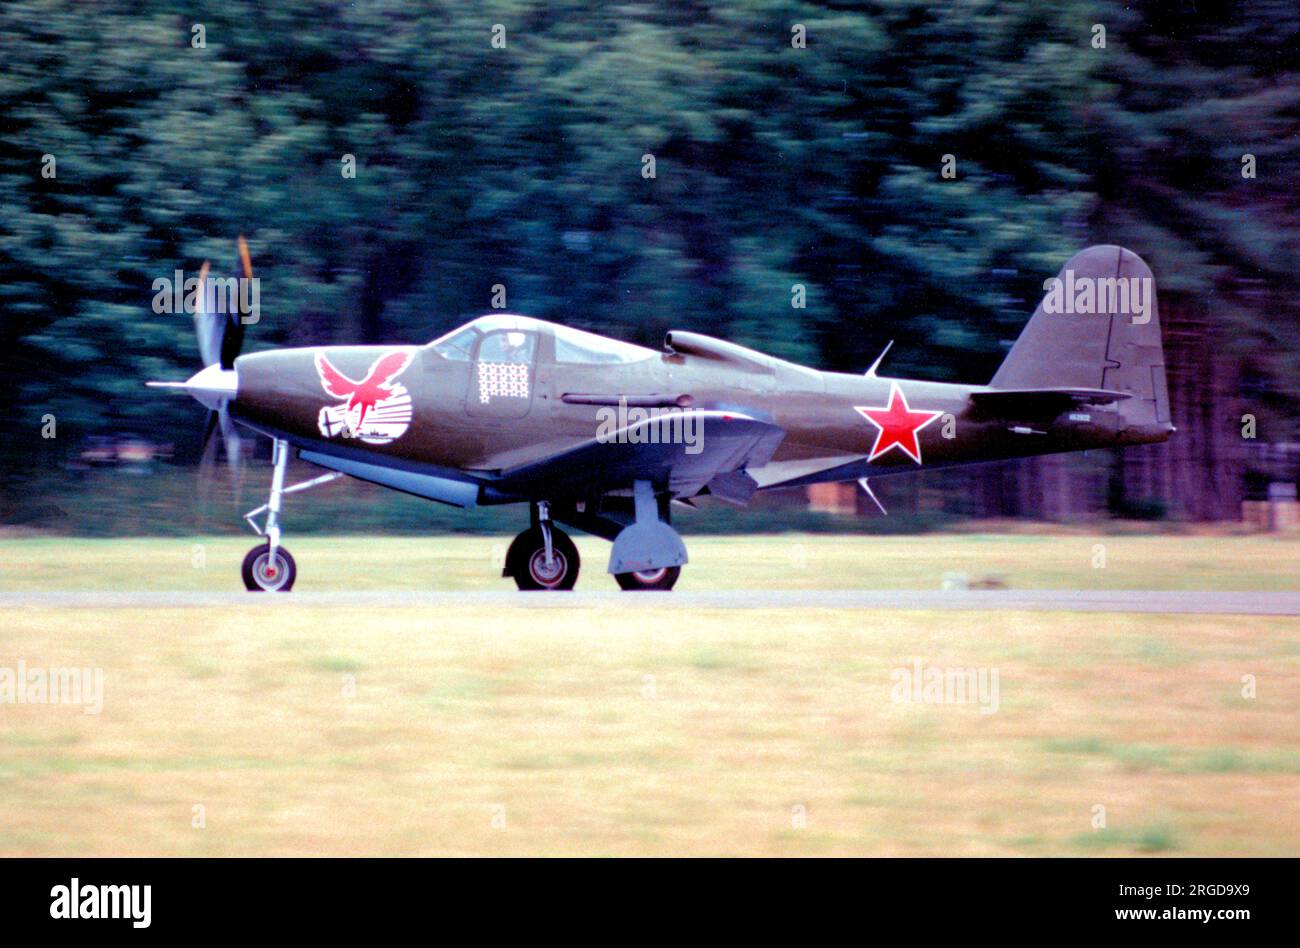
526 561
261 575
649 579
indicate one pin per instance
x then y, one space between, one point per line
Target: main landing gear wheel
650 579
526 560
261 575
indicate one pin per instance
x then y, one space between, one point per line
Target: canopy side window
583 348
459 347
508 346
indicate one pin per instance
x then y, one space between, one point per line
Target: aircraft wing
685 450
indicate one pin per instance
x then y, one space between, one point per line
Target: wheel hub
547 575
269 577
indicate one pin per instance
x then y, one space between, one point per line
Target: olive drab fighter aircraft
606 437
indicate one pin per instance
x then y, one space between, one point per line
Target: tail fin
1097 328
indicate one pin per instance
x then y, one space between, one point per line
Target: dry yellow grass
626 730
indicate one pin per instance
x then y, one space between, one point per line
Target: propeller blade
245 260
233 340
214 485
208 453
221 334
207 326
231 438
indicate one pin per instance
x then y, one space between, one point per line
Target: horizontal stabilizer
1040 403
1077 396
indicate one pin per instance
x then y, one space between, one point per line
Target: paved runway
1030 600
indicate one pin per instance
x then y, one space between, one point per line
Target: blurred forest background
775 165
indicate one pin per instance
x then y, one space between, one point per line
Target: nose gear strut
268 567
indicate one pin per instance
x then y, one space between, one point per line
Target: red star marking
898 425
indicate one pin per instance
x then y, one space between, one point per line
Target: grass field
792 561
621 729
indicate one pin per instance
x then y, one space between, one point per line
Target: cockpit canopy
509 338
